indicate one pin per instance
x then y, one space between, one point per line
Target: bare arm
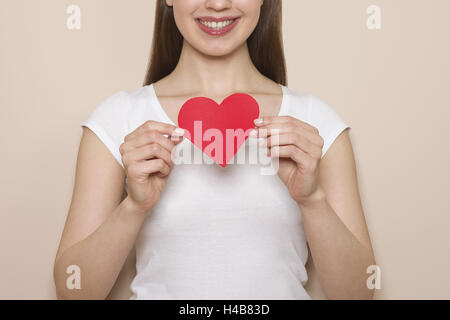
335 226
100 229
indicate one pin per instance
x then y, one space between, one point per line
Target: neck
197 72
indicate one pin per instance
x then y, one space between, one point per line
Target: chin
217 51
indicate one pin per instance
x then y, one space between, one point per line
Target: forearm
101 255
340 258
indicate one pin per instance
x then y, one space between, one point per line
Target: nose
218 4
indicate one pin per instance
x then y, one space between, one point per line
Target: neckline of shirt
163 113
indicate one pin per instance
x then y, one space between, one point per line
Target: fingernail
258 121
178 132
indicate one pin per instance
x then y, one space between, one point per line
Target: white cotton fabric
217 233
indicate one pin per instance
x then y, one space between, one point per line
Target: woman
203 231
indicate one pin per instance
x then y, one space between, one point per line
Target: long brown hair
265 44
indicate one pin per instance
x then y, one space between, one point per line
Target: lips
217 26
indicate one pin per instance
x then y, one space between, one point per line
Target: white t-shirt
217 233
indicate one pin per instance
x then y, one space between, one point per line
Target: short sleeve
329 123
107 121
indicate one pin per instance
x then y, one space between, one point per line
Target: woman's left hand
298 146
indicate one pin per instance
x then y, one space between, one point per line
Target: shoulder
123 102
316 112
127 109
118 115
295 104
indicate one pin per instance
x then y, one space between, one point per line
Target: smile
216 27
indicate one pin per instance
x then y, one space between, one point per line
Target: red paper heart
236 113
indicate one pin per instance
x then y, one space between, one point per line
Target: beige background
391 85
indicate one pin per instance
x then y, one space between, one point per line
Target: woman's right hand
147 159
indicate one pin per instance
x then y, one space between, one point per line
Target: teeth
216 25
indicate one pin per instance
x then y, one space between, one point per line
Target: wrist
129 215
316 198
130 207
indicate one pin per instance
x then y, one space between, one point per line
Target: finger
274 129
163 128
147 152
306 144
144 138
294 153
154 166
267 120
176 139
